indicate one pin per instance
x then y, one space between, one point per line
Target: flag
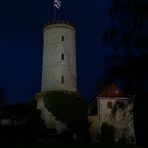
57 4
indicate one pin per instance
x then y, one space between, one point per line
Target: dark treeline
127 35
21 123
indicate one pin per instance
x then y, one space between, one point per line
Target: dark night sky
21 23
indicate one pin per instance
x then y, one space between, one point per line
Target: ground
68 145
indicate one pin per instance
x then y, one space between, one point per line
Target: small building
110 116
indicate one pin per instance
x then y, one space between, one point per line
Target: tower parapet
59 22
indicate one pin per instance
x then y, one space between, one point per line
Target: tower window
62 79
62 38
109 105
62 56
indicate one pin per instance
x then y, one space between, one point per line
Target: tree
69 108
128 33
107 133
25 123
2 98
129 27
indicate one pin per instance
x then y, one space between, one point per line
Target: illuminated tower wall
59 57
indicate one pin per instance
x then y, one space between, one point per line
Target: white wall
53 66
122 121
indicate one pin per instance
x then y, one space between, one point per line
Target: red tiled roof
111 90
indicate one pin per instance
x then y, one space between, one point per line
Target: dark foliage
132 73
118 105
129 27
128 33
2 98
107 133
25 123
69 108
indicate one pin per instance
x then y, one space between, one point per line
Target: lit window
109 105
62 79
62 56
62 39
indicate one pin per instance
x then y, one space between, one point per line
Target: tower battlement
59 22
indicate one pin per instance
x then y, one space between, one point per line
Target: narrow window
109 105
62 39
62 79
62 56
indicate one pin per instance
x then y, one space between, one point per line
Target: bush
107 132
68 107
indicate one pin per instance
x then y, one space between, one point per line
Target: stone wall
59 58
116 113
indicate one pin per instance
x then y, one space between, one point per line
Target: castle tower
59 57
58 68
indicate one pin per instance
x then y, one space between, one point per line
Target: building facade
111 117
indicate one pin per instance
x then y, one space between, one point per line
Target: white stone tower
58 68
59 57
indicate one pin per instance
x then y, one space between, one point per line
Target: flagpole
54 13
56 5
